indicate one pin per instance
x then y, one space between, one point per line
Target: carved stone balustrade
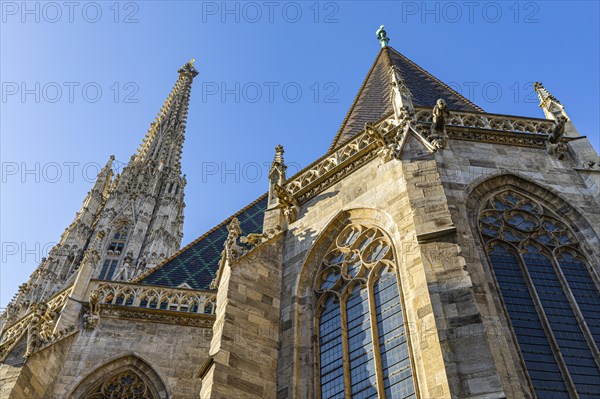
152 297
503 123
468 126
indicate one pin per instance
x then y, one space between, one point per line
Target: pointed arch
350 279
486 186
129 376
539 253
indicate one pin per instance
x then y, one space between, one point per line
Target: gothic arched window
362 343
125 385
550 294
113 253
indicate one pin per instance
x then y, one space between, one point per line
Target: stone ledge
158 316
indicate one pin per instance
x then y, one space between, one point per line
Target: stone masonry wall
460 340
407 200
471 170
246 331
173 352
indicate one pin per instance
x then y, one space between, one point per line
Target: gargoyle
289 204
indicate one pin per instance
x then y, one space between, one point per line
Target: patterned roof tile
373 100
197 263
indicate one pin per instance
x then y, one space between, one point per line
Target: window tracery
549 293
125 385
362 342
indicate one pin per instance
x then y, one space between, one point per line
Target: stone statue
437 133
559 130
232 249
92 316
289 204
554 146
440 115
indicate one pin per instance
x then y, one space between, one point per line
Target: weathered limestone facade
417 179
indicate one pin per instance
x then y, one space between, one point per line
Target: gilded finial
189 68
382 36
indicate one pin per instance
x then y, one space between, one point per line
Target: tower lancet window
114 253
549 293
362 346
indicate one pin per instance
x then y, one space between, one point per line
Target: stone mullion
505 309
345 346
375 338
578 315
547 328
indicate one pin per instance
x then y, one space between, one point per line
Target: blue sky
81 82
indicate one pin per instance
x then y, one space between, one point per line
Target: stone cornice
158 316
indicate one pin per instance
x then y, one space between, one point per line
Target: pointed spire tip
278 154
189 68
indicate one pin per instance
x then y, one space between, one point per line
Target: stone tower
131 220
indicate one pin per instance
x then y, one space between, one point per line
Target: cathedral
434 251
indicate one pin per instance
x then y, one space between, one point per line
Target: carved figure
440 115
382 36
558 131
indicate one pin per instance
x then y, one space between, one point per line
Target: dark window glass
330 339
344 275
535 348
393 346
360 345
584 290
108 268
538 234
567 332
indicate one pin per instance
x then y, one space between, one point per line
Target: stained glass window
549 293
362 345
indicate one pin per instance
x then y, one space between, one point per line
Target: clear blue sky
263 54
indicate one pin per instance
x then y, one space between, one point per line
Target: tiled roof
196 264
373 100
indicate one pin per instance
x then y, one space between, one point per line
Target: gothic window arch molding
126 377
362 346
124 385
549 292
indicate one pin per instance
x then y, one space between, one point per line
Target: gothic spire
164 140
553 109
